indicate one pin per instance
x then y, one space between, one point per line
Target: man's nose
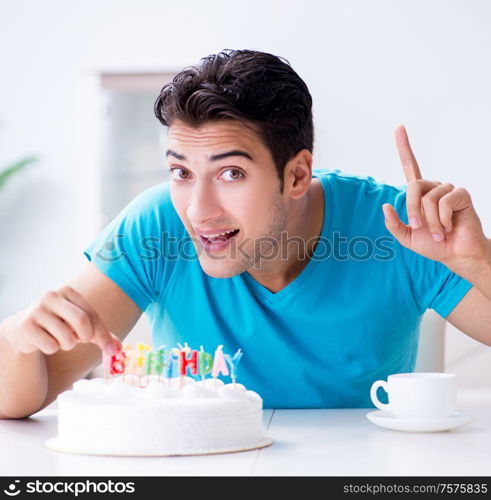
204 205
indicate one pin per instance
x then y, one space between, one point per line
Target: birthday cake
149 412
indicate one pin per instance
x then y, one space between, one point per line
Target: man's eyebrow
235 152
175 155
220 156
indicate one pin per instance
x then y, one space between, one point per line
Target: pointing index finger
408 160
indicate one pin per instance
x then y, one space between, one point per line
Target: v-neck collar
313 262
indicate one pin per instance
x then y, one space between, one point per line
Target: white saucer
387 420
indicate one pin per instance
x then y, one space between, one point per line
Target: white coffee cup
418 395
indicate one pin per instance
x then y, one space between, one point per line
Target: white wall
369 64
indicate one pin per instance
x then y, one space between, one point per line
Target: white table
339 442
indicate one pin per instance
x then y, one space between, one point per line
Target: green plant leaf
8 172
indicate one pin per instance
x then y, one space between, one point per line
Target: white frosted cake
176 416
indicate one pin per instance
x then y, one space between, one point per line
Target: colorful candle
141 347
219 363
160 361
117 363
205 363
173 366
127 349
233 362
149 362
140 359
133 363
190 362
178 361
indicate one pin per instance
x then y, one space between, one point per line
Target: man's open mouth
218 239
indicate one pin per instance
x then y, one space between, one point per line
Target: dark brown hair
258 89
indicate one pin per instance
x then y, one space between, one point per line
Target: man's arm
29 381
472 315
444 227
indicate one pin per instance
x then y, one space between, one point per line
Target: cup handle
373 394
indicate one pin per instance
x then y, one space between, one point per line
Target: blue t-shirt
349 318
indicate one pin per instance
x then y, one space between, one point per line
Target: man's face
223 180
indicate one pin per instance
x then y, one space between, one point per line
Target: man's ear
298 174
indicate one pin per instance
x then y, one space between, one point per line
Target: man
313 274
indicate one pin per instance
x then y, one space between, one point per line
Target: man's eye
233 174
179 174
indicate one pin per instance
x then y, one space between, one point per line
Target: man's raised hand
443 224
